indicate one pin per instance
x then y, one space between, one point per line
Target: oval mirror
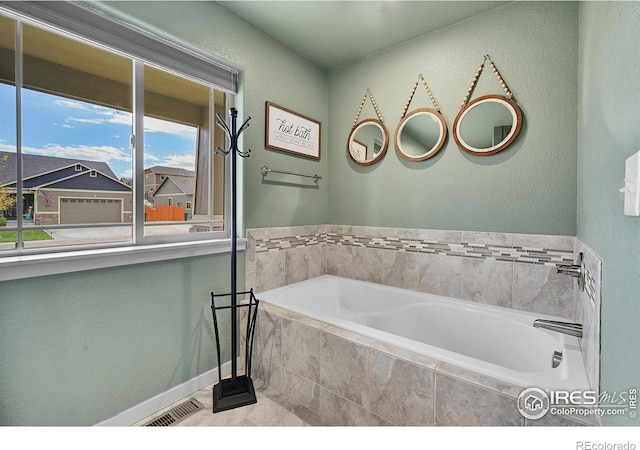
487 125
420 134
368 142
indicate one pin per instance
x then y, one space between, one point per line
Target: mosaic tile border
284 243
517 254
590 285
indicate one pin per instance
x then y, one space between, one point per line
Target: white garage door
90 210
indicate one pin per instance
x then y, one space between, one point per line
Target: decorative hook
244 126
222 124
233 139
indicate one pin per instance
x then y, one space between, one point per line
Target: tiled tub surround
510 270
346 378
587 305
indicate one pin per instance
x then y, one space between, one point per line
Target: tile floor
270 410
274 412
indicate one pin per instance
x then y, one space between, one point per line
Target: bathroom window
104 110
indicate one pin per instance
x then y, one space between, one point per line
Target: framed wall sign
291 132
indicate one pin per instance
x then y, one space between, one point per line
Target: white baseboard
147 408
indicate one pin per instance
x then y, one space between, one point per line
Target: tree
6 200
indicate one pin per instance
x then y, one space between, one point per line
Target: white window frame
79 22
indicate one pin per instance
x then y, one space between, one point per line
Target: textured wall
528 188
269 71
79 348
608 134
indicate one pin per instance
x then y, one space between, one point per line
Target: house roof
170 171
176 185
34 165
86 182
63 173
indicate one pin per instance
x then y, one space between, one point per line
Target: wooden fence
164 213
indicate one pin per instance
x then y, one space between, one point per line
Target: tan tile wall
510 270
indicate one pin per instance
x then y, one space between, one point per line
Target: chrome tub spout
572 329
575 270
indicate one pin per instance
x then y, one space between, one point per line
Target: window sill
28 266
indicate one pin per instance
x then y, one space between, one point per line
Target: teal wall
269 71
609 132
528 188
80 348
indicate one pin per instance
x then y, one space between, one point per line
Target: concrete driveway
70 236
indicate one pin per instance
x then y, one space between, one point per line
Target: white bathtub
498 342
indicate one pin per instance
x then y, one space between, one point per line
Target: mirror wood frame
439 143
385 142
515 130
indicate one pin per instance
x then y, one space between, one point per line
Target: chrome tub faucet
576 270
572 329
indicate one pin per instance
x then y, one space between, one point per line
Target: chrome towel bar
264 170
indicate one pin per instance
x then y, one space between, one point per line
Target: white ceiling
331 33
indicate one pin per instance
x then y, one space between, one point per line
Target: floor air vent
177 414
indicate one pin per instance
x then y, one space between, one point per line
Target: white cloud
116 117
150 157
79 120
179 161
7 148
94 114
71 104
104 153
152 125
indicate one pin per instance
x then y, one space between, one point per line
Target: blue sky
65 128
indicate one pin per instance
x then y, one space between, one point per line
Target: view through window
78 184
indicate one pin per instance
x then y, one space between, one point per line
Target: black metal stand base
238 390
233 393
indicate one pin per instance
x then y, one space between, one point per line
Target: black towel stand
238 390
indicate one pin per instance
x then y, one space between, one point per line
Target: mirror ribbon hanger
413 91
375 106
475 81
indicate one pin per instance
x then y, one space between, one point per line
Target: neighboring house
176 191
67 191
155 175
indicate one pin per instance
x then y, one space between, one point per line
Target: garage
90 210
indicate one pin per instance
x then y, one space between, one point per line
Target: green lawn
29 235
